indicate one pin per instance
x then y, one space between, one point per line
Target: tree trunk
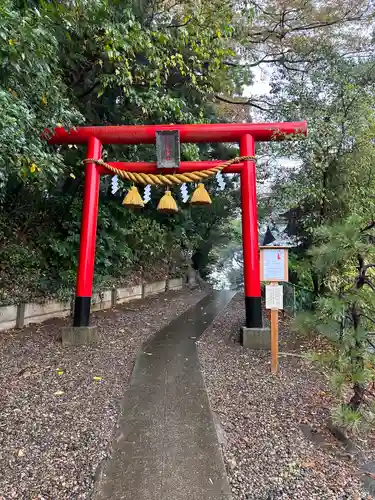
357 398
316 284
169 270
357 361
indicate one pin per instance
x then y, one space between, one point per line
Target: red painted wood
249 220
85 271
244 133
145 134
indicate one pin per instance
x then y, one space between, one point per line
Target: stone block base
256 338
80 335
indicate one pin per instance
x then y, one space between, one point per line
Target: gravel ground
59 406
262 419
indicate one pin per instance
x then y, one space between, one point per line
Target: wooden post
274 268
274 340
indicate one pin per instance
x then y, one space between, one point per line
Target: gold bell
200 196
133 199
167 203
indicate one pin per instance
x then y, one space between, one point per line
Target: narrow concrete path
166 446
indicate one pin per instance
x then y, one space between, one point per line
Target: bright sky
261 84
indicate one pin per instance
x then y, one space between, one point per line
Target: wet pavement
166 446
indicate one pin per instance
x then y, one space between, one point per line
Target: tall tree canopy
330 206
99 62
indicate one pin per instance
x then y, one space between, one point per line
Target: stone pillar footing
256 338
80 335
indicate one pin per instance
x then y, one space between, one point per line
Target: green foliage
347 417
99 62
330 207
124 62
336 174
344 314
32 96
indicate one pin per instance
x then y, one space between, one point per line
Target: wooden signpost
274 268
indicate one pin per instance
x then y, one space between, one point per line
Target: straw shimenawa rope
168 179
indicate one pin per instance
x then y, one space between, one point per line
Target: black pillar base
82 311
253 308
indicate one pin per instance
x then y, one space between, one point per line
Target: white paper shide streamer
147 194
114 184
184 192
220 181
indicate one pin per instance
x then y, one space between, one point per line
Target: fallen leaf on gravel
308 464
58 393
232 463
24 372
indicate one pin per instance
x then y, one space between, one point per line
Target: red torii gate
246 134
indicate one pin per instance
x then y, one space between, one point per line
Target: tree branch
368 227
368 282
242 103
89 90
368 317
179 25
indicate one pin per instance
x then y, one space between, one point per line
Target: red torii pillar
246 134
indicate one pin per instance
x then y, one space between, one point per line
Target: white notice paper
274 264
274 297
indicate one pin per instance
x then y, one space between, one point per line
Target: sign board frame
273 275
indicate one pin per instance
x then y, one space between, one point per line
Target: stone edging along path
18 316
